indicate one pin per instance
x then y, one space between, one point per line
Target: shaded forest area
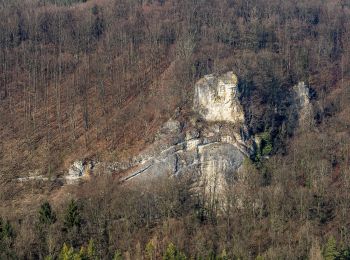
97 78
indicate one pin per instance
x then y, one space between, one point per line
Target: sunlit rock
216 98
210 152
303 106
210 146
78 170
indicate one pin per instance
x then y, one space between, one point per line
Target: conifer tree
118 255
67 253
150 250
72 218
46 215
6 232
172 253
91 250
330 251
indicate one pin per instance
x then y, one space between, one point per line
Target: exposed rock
33 176
78 170
195 154
219 163
216 98
212 151
303 106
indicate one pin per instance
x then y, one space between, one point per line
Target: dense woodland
97 78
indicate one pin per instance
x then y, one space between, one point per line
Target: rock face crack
137 173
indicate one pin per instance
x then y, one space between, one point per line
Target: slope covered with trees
97 78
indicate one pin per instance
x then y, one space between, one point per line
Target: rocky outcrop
216 98
302 105
79 169
210 146
33 176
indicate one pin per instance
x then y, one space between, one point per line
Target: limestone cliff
216 98
302 105
211 146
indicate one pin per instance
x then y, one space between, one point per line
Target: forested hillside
97 79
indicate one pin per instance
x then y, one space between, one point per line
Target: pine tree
330 251
118 255
344 254
6 230
91 250
67 253
223 255
1 227
172 253
150 251
46 214
7 236
72 218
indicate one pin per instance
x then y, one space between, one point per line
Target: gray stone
302 104
78 170
211 150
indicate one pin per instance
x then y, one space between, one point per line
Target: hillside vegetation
96 79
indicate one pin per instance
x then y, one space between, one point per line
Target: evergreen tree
98 26
6 231
172 253
1 224
223 255
150 251
67 253
344 254
330 251
118 255
46 214
91 250
7 236
72 218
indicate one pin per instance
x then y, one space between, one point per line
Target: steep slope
209 144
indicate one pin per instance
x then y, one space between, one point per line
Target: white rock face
216 98
33 176
210 159
211 153
78 170
219 163
302 103
211 150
